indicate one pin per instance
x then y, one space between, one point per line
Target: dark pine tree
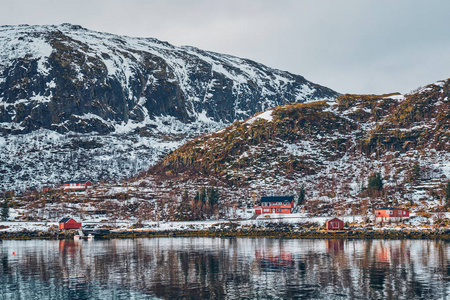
415 172
213 196
447 195
375 184
5 210
301 195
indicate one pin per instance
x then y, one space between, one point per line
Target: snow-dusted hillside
75 103
332 148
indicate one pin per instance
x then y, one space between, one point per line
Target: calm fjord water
216 268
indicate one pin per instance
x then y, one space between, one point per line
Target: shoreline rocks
440 233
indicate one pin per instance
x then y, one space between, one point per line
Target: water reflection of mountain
217 268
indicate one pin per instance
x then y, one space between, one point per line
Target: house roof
334 220
64 220
277 199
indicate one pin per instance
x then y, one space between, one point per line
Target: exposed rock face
66 78
75 103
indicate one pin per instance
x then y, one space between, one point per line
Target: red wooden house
390 214
280 205
46 188
77 185
335 224
69 223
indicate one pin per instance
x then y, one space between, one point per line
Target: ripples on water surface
214 268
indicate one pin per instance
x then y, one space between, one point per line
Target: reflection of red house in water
69 223
335 246
335 224
390 214
384 256
387 253
68 246
280 205
275 262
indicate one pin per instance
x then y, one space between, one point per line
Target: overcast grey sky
351 46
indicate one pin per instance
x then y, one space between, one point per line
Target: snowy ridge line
123 67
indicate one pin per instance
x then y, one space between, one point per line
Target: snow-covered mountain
75 103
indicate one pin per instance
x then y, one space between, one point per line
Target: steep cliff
67 78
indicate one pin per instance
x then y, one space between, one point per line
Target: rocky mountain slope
332 148
75 103
350 156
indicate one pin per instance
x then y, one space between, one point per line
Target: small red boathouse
69 223
335 224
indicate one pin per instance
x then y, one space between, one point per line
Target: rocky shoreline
435 233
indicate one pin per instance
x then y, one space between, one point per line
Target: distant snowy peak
70 79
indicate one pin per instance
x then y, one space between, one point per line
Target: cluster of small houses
285 205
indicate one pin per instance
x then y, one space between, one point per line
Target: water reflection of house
335 246
69 246
275 262
387 253
384 255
